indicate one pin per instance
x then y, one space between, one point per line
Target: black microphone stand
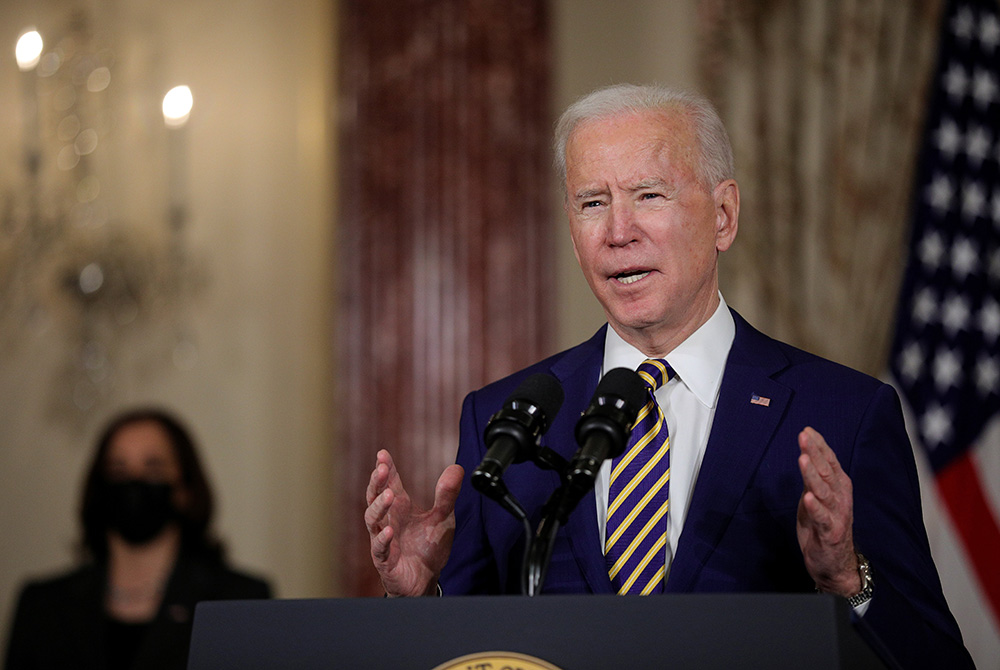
609 419
555 513
546 459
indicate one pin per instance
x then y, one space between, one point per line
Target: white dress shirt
693 394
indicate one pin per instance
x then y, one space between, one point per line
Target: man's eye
649 196
590 204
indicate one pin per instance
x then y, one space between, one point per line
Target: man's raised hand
409 545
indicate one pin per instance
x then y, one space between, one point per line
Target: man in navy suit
805 476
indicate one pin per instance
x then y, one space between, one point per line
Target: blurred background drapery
367 192
823 102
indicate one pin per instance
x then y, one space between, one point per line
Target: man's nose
622 224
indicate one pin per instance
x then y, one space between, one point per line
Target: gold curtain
444 229
824 101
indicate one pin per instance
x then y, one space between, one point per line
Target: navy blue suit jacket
739 534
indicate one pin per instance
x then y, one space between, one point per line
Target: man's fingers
376 483
813 444
383 457
377 510
382 545
817 513
446 491
812 479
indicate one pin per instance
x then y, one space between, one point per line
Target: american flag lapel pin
759 400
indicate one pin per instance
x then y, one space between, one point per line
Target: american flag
946 353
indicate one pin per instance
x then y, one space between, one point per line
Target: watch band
867 582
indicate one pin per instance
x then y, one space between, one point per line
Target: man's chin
631 323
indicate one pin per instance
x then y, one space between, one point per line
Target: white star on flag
931 250
956 82
949 137
947 369
955 315
989 33
984 88
989 320
925 306
912 361
987 375
964 258
939 193
977 145
963 24
973 200
936 426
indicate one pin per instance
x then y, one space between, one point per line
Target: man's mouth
631 277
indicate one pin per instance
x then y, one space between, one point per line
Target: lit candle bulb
28 50
177 104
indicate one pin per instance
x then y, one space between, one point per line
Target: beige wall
259 397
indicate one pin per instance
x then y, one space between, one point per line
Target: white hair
715 163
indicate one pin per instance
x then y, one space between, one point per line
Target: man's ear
727 213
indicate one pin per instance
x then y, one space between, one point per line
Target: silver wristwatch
865 572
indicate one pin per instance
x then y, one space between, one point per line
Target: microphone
603 430
513 432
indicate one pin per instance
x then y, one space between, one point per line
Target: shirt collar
699 361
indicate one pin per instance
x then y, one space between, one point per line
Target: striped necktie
638 498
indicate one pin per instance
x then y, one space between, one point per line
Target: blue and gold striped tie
638 498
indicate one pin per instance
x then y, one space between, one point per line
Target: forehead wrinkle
664 156
668 147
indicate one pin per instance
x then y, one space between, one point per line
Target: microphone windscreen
625 384
542 390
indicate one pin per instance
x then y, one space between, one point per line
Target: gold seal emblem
497 660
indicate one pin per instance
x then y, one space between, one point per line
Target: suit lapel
741 432
579 375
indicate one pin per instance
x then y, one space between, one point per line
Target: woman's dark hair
194 520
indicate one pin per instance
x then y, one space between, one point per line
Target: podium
568 632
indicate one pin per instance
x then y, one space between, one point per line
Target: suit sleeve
471 568
908 613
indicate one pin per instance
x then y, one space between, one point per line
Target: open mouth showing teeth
631 277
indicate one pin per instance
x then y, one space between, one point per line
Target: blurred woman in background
149 556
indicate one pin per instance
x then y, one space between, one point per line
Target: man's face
645 230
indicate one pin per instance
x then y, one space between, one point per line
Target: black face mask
138 509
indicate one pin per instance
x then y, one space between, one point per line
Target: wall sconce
67 259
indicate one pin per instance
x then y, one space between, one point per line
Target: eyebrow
647 183
589 193
651 182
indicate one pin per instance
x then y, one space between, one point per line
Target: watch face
865 573
864 570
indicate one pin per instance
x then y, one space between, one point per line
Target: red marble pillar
444 234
